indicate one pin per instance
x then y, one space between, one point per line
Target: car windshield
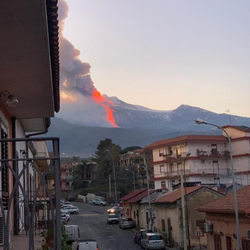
113 216
155 237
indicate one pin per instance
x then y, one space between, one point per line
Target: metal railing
30 190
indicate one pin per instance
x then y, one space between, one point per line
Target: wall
165 212
224 225
193 202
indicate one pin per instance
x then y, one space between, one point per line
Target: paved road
92 223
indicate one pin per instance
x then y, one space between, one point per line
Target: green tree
107 154
80 171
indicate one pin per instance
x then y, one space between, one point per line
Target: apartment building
204 159
29 96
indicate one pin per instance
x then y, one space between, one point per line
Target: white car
71 209
72 232
87 245
99 202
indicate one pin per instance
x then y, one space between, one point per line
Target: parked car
126 223
152 241
72 232
139 234
71 209
65 217
113 219
99 202
87 245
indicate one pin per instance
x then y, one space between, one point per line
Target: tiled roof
176 195
132 194
140 196
187 138
52 14
226 203
241 128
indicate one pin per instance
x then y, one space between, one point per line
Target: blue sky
162 53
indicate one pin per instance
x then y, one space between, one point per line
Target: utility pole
113 166
133 176
183 212
149 200
109 186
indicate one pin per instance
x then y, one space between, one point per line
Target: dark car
126 223
113 219
139 234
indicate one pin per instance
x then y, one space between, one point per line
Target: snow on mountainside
181 118
137 126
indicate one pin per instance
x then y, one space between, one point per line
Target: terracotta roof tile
132 194
140 196
187 138
176 195
226 204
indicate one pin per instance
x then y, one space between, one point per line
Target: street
92 221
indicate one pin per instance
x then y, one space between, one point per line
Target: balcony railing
212 154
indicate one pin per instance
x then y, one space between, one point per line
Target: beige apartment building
205 159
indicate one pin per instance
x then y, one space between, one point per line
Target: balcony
214 153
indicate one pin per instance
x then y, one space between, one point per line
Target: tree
79 174
107 153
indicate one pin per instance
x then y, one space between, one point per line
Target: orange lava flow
104 102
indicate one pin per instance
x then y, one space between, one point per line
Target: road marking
88 215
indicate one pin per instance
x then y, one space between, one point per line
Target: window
229 243
169 150
162 169
179 168
163 185
217 242
147 218
170 167
214 149
163 225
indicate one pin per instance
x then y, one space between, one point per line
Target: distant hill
138 126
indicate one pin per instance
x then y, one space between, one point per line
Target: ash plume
75 74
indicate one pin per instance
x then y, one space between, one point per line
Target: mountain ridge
138 127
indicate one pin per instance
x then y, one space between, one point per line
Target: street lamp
183 208
199 121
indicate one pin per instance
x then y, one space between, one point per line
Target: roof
132 194
52 14
241 128
140 196
153 196
176 195
226 203
187 138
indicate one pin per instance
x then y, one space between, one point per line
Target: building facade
204 159
220 221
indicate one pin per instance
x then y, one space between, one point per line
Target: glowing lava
104 102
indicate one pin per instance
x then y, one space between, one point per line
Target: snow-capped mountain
180 119
137 126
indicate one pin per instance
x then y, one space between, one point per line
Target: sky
164 53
